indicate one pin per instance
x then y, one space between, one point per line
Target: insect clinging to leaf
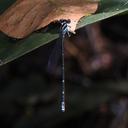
26 16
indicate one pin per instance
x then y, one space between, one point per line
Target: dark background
96 70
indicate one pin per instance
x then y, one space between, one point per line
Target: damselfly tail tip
62 106
63 109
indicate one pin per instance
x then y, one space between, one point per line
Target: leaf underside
12 50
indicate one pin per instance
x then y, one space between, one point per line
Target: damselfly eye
64 20
68 21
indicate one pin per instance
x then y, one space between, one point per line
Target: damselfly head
68 21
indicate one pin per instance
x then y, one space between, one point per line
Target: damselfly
64 31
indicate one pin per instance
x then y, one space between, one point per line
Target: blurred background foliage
96 69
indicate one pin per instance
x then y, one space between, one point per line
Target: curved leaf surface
12 50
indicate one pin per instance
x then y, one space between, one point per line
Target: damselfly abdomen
64 31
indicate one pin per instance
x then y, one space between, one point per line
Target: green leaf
107 9
12 50
5 4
